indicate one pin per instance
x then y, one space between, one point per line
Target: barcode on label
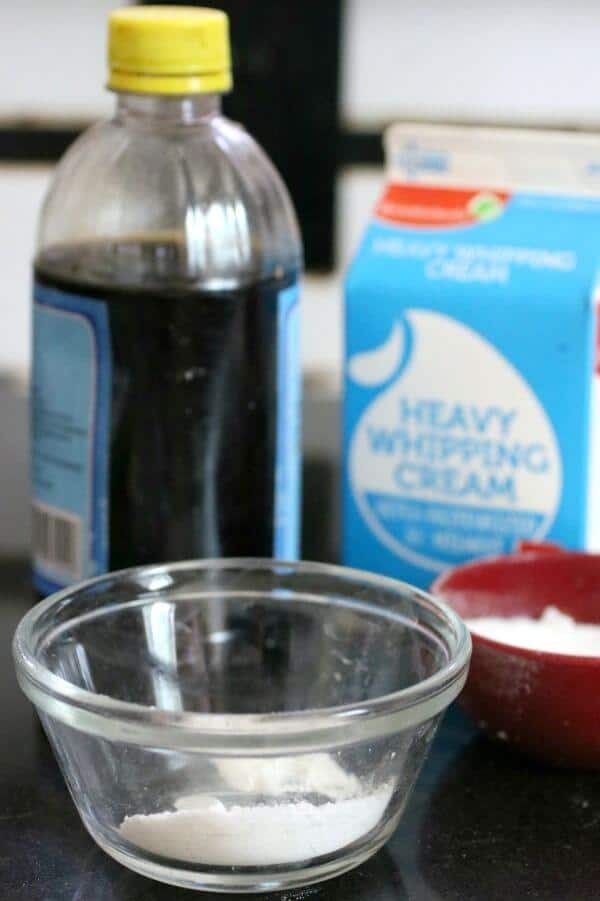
57 539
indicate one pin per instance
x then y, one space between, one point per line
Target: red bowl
545 704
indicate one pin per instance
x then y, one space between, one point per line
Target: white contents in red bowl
554 631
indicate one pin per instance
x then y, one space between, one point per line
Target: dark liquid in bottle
194 405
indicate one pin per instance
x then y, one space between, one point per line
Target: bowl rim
257 733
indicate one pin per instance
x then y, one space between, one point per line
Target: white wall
21 192
527 61
519 60
52 58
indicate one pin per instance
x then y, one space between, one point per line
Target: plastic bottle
166 393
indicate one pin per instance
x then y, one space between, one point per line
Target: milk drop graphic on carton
476 473
470 402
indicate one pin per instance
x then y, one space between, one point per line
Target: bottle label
287 475
71 396
71 407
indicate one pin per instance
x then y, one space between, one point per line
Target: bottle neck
188 110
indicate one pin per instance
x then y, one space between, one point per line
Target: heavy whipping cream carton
471 406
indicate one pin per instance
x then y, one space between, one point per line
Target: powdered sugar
277 774
258 834
554 631
270 819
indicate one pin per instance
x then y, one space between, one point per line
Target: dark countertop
481 824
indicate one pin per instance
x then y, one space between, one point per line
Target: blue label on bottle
71 395
287 476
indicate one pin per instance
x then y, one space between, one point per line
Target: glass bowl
241 725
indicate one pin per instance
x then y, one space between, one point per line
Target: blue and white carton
471 403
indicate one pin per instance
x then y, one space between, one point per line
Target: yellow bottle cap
169 50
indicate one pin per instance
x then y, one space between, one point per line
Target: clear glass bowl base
244 880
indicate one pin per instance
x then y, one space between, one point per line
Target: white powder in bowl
321 772
275 828
554 631
257 835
